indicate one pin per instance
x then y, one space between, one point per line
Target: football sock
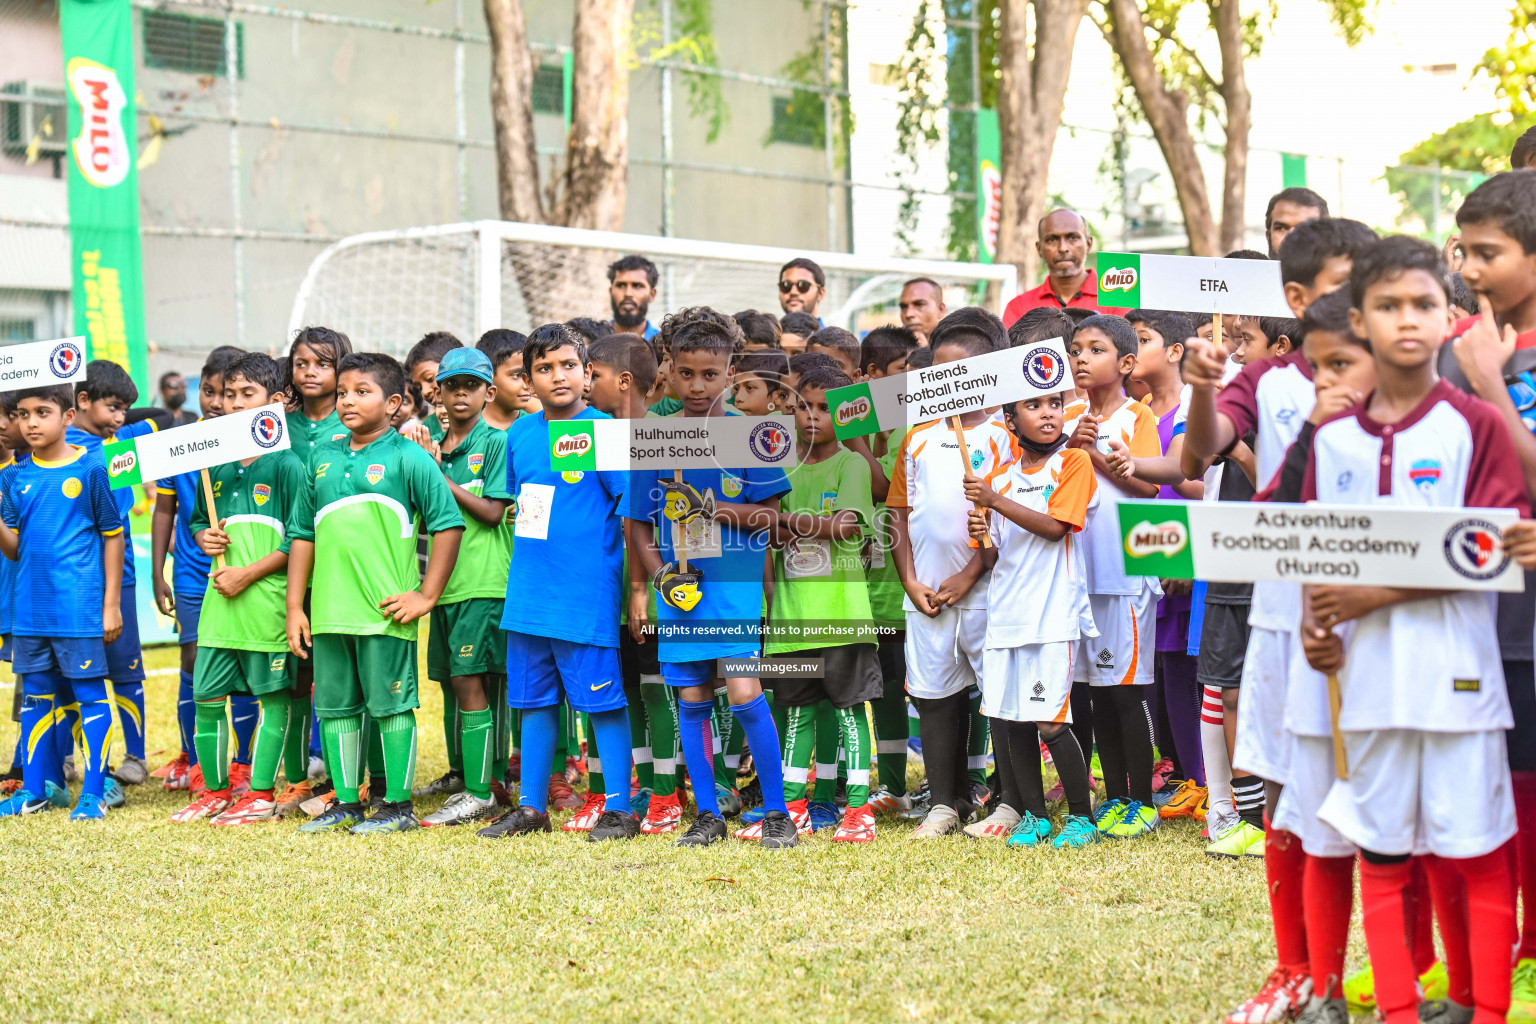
453 729
640 739
756 720
660 713
541 733
1387 914
1082 720
1328 894
725 726
780 712
95 732
1525 858
129 698
1285 867
342 741
891 731
980 743
828 733
245 714
799 738
296 742
855 725
695 736
501 726
1182 699
1422 940
397 734
1072 769
271 740
1136 735
1108 742
186 717
19 754
610 737
41 758
595 782
316 746
477 743
378 768
734 745
943 722
1248 798
1213 747
1448 892
1491 912
212 739
1016 748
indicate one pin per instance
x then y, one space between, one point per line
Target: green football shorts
466 639
354 674
221 671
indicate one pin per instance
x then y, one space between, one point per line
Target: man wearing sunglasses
802 286
1063 243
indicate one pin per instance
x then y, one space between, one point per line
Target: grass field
138 919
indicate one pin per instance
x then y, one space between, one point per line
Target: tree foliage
693 42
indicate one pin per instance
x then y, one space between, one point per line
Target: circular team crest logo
730 486
71 488
1044 368
267 428
572 476
1472 548
770 442
65 359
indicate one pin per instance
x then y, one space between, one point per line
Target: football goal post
385 289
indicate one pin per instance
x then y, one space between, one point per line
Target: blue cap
465 362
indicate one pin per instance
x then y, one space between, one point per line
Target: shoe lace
1026 826
1106 808
1133 812
779 828
1523 979
700 826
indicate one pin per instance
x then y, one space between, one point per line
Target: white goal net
385 289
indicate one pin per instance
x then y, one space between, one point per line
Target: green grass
139 919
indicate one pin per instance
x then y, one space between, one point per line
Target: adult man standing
631 290
922 306
802 286
1063 242
1288 208
173 396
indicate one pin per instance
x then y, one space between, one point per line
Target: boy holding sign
1424 702
242 645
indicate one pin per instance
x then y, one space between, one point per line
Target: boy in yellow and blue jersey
101 406
64 530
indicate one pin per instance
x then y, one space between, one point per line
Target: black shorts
1520 677
851 677
1223 645
893 665
636 660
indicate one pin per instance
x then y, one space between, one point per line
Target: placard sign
1367 545
40 364
673 442
227 438
1192 284
949 389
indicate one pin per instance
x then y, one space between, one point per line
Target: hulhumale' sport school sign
949 389
196 446
1385 546
1191 284
672 443
40 364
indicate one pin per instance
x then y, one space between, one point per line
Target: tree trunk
1166 111
597 153
517 168
1030 97
1228 20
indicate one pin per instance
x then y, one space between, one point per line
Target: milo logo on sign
122 463
572 447
122 460
991 196
1156 540
853 411
101 148
1119 278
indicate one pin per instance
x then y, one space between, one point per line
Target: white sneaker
461 808
941 821
996 825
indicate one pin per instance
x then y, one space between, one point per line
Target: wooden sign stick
213 513
965 462
1340 762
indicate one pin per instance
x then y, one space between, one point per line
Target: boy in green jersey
241 645
466 648
355 527
821 602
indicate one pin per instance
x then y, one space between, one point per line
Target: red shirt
1087 297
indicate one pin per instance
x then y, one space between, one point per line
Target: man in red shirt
1063 245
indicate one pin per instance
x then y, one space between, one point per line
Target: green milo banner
572 446
1155 538
853 411
107 275
1119 279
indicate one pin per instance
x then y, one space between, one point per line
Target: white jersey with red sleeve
1272 398
1135 426
1430 665
929 479
1039 589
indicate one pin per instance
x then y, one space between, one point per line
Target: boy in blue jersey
719 601
182 597
568 551
64 530
101 405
